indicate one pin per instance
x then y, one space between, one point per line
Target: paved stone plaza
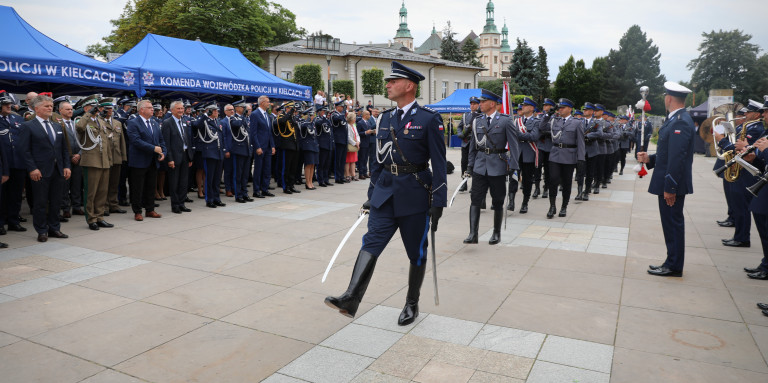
234 295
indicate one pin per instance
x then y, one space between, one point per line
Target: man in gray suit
489 163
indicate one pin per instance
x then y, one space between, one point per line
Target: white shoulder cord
95 140
387 149
242 131
552 129
474 132
214 136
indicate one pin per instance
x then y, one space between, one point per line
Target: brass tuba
723 115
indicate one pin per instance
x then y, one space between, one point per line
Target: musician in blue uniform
740 198
567 150
493 155
528 127
759 208
464 132
212 150
238 145
671 179
545 147
403 193
325 144
339 126
310 149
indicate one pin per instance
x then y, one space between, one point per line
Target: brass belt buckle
487 150
393 169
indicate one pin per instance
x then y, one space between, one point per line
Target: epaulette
389 110
503 114
429 109
752 123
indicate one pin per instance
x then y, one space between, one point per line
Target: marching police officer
528 127
625 141
567 151
489 163
545 146
672 180
210 130
403 193
464 131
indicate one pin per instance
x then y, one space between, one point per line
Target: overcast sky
566 28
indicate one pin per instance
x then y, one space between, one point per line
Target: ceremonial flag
505 99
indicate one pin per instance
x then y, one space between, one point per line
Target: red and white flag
505 99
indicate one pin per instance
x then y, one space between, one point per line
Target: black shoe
188 200
328 184
80 211
309 188
106 213
724 240
323 185
596 190
605 186
621 172
585 196
287 191
524 208
104 223
211 205
536 192
723 221
185 209
348 302
293 190
562 211
258 194
268 194
3 231
762 306
16 227
579 194
93 226
726 224
270 188
176 210
411 310
463 188
118 211
219 203
42 237
3 245
157 205
765 312
653 267
750 271
498 216
551 212
240 200
665 272
758 275
248 199
511 204
545 193
22 219
733 243
474 220
124 203
57 234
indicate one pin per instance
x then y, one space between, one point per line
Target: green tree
373 82
566 81
343 87
449 47
726 60
248 25
469 51
634 64
596 90
523 68
542 76
495 86
309 75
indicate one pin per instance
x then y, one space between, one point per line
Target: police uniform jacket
501 132
759 204
9 131
324 134
261 130
210 142
420 137
604 136
308 137
235 140
339 126
115 141
39 152
100 155
592 133
286 132
674 156
464 131
142 142
545 133
121 116
568 145
627 136
610 137
531 135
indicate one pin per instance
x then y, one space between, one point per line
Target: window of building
285 75
495 41
445 89
495 74
495 59
485 41
458 85
467 85
334 76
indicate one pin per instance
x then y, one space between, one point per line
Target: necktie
489 121
49 130
399 116
149 126
181 131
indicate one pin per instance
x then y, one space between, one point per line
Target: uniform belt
492 151
405 169
565 146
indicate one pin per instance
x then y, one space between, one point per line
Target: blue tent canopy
32 61
457 102
171 65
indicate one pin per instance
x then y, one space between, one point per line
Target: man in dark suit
47 161
671 179
146 149
263 147
176 134
364 132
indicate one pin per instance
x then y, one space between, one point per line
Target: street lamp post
328 60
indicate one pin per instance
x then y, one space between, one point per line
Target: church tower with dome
490 45
403 35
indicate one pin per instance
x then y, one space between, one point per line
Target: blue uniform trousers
340 159
371 154
262 171
240 170
13 190
382 225
228 166
727 191
739 202
324 167
673 224
213 169
761 223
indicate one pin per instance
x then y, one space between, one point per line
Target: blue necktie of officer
399 116
49 130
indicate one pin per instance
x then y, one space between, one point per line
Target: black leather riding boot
498 216
563 207
536 191
474 221
552 210
524 206
348 302
411 309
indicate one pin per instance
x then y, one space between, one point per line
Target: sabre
453 197
644 93
363 214
434 265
